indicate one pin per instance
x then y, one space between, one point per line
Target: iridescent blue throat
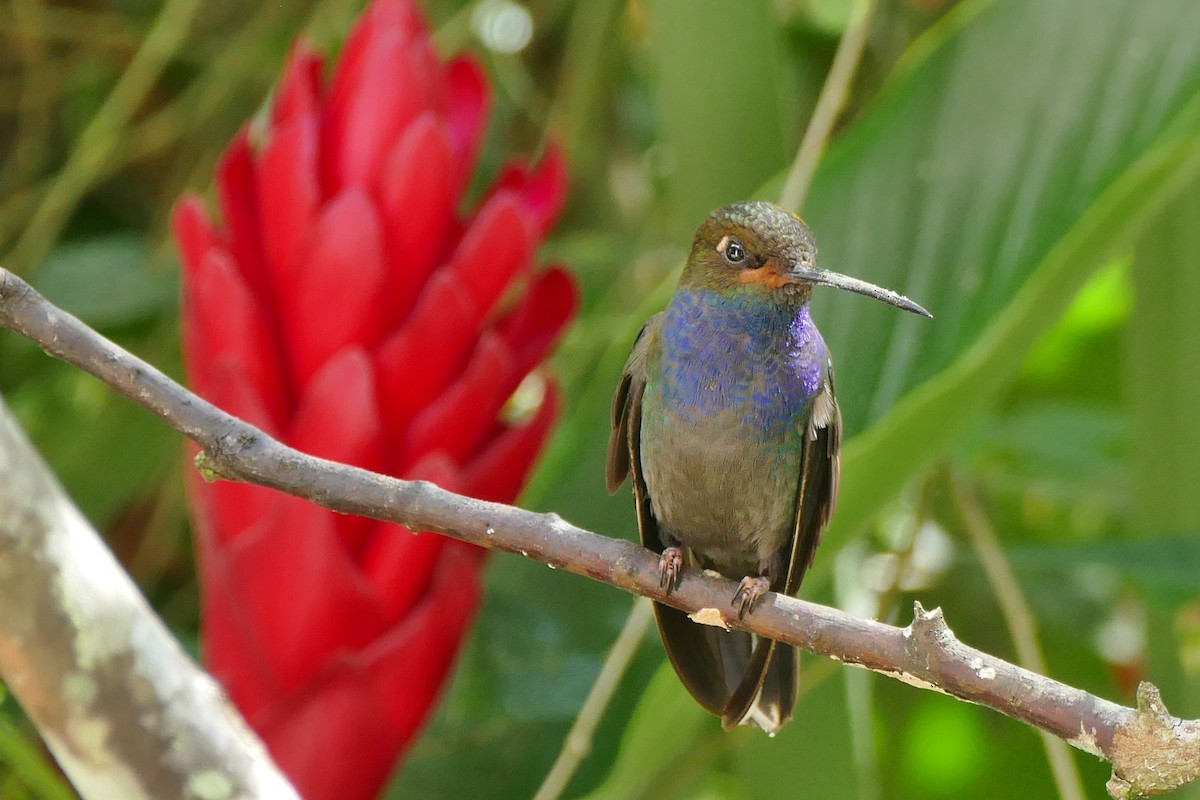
762 360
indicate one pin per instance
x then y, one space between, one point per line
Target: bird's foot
670 568
749 592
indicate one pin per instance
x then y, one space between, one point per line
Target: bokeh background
1026 169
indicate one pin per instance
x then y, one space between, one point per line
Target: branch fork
1153 751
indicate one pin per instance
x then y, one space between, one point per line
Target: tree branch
124 710
1151 751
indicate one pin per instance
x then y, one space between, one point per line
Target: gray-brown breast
729 497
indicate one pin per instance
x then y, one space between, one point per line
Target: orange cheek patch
768 276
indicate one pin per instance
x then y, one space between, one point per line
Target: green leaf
1073 446
1099 310
23 758
1164 567
106 281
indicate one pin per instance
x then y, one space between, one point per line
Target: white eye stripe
724 243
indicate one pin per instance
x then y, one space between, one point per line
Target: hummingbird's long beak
818 275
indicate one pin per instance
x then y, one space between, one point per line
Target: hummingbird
727 419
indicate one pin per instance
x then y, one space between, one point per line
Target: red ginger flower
347 309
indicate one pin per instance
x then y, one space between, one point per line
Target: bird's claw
749 592
670 568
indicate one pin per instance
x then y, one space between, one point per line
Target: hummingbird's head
760 246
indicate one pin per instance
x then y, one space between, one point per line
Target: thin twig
1151 751
1018 618
829 105
579 739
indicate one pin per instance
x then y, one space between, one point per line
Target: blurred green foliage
1027 169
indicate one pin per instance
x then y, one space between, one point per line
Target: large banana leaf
1019 142
1163 374
1164 396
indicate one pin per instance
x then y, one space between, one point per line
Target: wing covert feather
702 656
627 405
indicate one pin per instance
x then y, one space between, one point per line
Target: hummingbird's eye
732 249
